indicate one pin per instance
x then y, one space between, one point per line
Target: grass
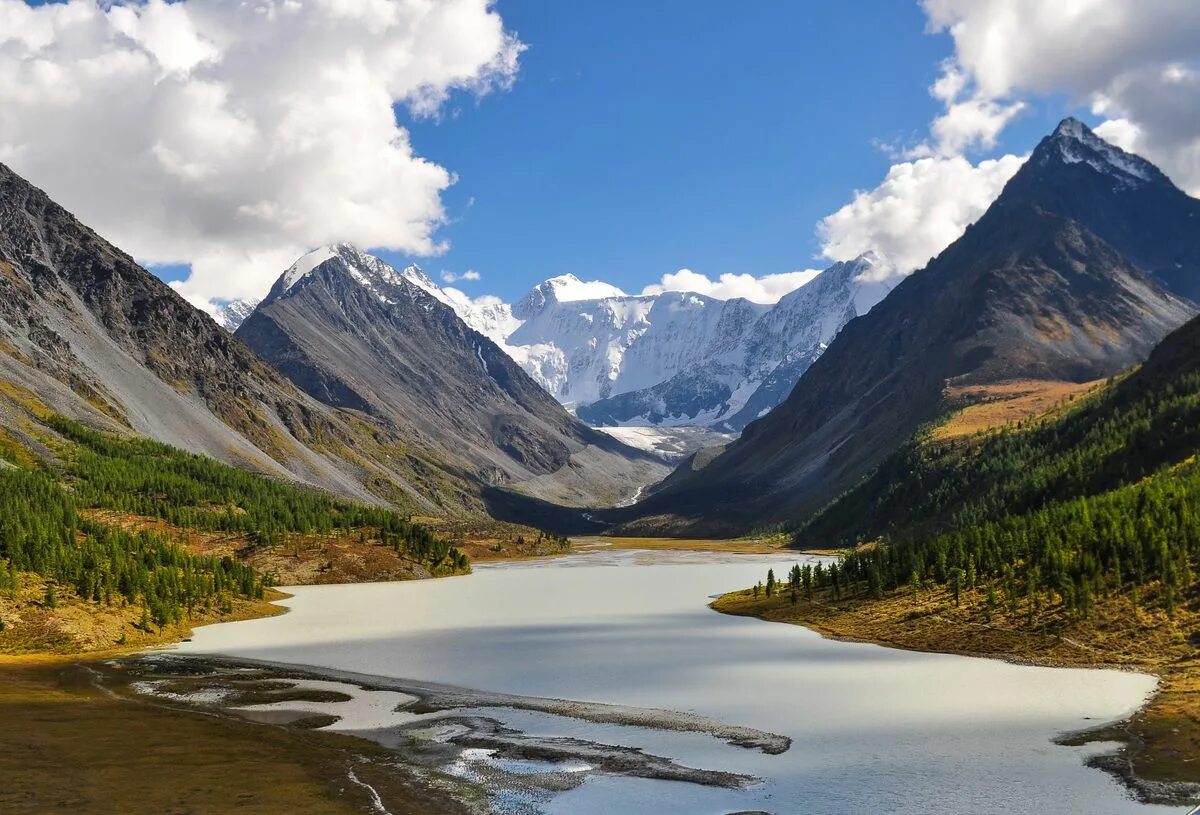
484 539
1006 403
75 626
68 745
302 559
746 546
1161 742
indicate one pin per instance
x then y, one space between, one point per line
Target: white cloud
969 124
1131 61
469 274
919 209
765 289
236 134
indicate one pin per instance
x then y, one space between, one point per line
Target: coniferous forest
43 529
1099 499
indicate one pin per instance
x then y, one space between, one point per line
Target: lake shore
1158 758
73 741
75 738
57 695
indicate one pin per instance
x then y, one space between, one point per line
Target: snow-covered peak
565 288
231 315
1076 143
305 264
867 258
418 278
370 272
568 288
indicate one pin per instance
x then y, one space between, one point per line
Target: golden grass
746 546
302 559
69 746
994 406
76 626
24 398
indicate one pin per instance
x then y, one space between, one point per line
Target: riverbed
871 729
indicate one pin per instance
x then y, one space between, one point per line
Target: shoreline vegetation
1158 758
110 546
1068 537
61 711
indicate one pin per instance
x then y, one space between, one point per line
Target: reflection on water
873 729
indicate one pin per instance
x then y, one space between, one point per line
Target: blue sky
628 141
681 134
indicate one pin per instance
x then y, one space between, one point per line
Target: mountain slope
1025 293
230 315
670 359
356 334
1120 196
1144 425
736 383
87 333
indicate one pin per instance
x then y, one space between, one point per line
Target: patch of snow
302 267
232 314
1078 144
569 288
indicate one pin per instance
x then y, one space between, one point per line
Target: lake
873 729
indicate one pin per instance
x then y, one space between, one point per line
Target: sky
676 144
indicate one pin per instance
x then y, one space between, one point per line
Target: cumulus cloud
919 209
469 274
1129 61
1132 62
233 135
765 289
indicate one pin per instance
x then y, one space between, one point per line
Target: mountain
675 358
87 333
1120 196
1142 427
741 380
1028 292
232 314
356 334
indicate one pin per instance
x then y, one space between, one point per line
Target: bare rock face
1081 266
86 332
357 334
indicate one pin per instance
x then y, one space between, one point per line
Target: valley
359 541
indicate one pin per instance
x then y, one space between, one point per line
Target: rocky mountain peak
1073 142
368 271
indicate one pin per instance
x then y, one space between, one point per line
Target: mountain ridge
354 333
1024 293
671 359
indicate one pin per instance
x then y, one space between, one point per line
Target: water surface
873 729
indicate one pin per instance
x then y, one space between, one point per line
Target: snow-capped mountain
670 359
756 360
675 358
232 314
357 334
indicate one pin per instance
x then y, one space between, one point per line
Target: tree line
42 532
1099 500
145 477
